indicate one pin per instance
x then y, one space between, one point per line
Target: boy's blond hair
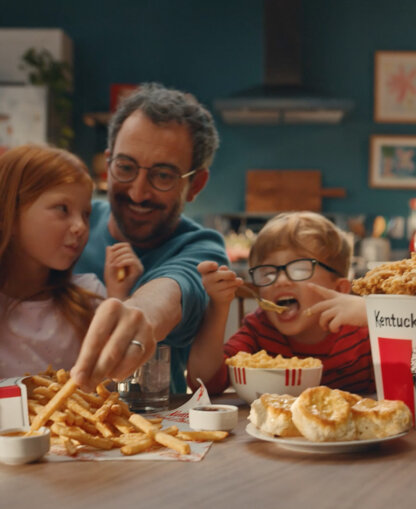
308 233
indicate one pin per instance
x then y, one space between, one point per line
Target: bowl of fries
19 445
252 375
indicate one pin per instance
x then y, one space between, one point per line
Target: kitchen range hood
282 98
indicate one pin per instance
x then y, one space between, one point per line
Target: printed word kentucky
392 320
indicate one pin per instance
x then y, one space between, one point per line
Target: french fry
116 409
143 424
54 404
124 408
101 414
36 408
93 399
102 390
136 447
80 400
69 417
121 274
203 436
70 446
80 410
56 440
105 429
49 371
79 420
40 399
172 442
89 428
44 391
82 437
121 423
171 430
62 376
128 438
155 420
41 380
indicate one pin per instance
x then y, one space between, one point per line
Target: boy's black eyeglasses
162 177
297 270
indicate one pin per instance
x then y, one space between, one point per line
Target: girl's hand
337 309
122 269
220 283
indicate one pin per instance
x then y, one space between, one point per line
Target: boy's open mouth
291 304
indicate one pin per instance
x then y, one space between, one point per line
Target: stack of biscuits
321 414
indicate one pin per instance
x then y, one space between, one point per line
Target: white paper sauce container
213 417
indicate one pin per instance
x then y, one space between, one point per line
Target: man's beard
158 232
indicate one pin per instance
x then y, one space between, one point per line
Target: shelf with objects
99 122
36 85
97 118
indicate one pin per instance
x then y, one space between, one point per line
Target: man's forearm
160 302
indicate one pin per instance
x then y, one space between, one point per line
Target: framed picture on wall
395 86
393 162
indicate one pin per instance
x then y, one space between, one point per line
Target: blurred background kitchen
318 143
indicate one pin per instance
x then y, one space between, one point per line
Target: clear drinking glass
147 390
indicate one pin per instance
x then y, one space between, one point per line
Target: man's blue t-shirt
177 258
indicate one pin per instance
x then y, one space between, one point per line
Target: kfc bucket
392 328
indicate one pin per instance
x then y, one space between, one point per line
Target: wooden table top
241 472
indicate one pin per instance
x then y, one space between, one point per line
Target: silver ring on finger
138 343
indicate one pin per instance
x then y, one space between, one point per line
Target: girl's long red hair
26 172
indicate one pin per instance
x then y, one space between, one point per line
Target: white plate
302 445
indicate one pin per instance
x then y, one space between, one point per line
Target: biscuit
349 397
322 414
378 419
271 413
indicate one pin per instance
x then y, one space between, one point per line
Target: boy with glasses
299 260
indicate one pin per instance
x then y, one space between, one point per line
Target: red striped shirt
345 355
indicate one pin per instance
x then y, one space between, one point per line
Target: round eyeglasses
297 270
162 177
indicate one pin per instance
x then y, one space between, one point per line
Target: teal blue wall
213 48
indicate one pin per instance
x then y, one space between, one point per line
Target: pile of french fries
100 420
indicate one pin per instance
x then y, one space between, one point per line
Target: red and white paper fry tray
13 403
178 417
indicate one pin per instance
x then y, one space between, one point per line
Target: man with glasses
161 143
299 261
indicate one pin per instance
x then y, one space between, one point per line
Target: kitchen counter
241 472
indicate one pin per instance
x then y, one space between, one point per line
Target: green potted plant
44 70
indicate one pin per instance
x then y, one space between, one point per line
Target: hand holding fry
220 283
107 351
122 269
337 309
